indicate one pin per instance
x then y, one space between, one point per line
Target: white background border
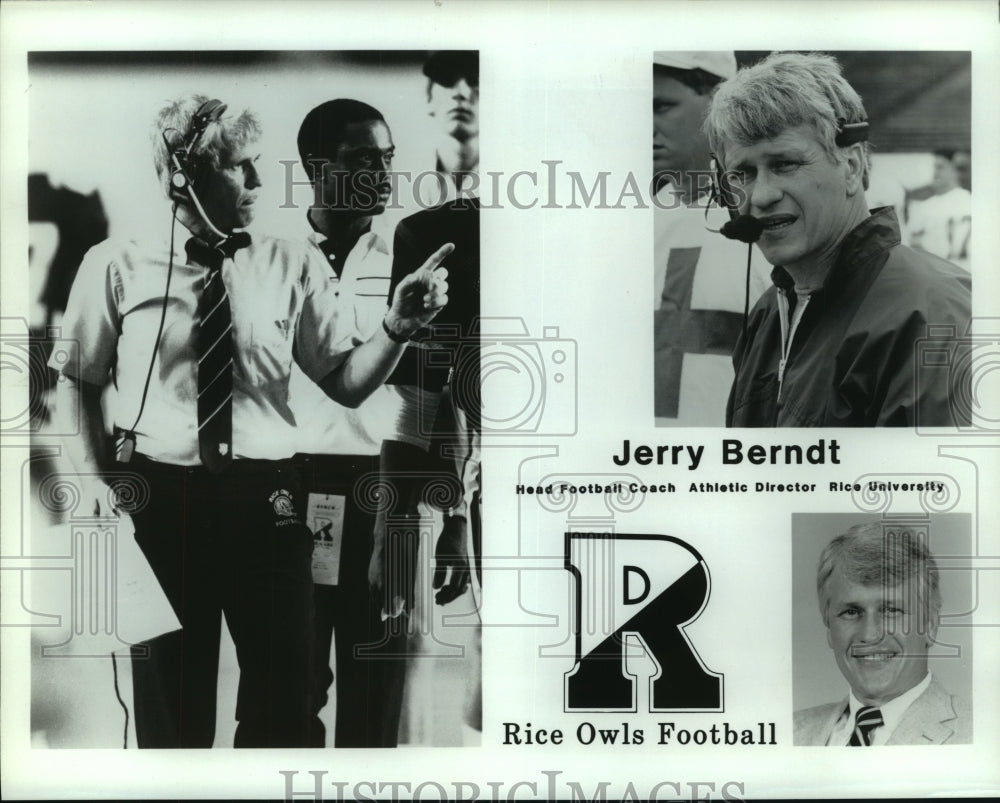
565 81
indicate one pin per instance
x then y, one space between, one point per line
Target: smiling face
879 637
807 201
678 112
228 192
357 178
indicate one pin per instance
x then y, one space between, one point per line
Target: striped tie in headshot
214 346
865 722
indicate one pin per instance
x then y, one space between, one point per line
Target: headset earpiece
209 112
849 133
183 174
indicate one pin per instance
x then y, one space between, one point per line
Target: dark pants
371 654
233 543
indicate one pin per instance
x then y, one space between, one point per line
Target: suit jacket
935 717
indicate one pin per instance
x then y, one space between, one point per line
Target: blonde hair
221 138
871 554
780 92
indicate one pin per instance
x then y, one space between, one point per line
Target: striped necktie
214 345
865 722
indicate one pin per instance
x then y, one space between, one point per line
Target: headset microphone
184 173
745 228
183 176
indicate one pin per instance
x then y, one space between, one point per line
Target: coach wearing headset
198 338
835 341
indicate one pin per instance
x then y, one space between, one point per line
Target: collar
376 230
462 182
875 234
322 237
370 241
892 711
432 194
212 256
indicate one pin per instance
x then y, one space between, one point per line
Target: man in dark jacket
839 339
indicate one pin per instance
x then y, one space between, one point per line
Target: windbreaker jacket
884 342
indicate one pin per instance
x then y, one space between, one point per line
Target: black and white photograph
326 457
789 299
891 602
258 410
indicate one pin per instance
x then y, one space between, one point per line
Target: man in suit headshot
880 601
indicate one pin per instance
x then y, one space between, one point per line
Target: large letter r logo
651 586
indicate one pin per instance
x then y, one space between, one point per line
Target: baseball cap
445 67
717 62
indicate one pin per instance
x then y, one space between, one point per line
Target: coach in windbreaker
837 340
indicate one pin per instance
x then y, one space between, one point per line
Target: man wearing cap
453 106
698 274
455 74
837 339
438 429
880 601
437 440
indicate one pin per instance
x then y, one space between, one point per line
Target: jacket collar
928 720
875 234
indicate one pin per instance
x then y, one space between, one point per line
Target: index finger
438 256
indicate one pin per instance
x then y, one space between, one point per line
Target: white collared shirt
325 427
284 310
892 713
